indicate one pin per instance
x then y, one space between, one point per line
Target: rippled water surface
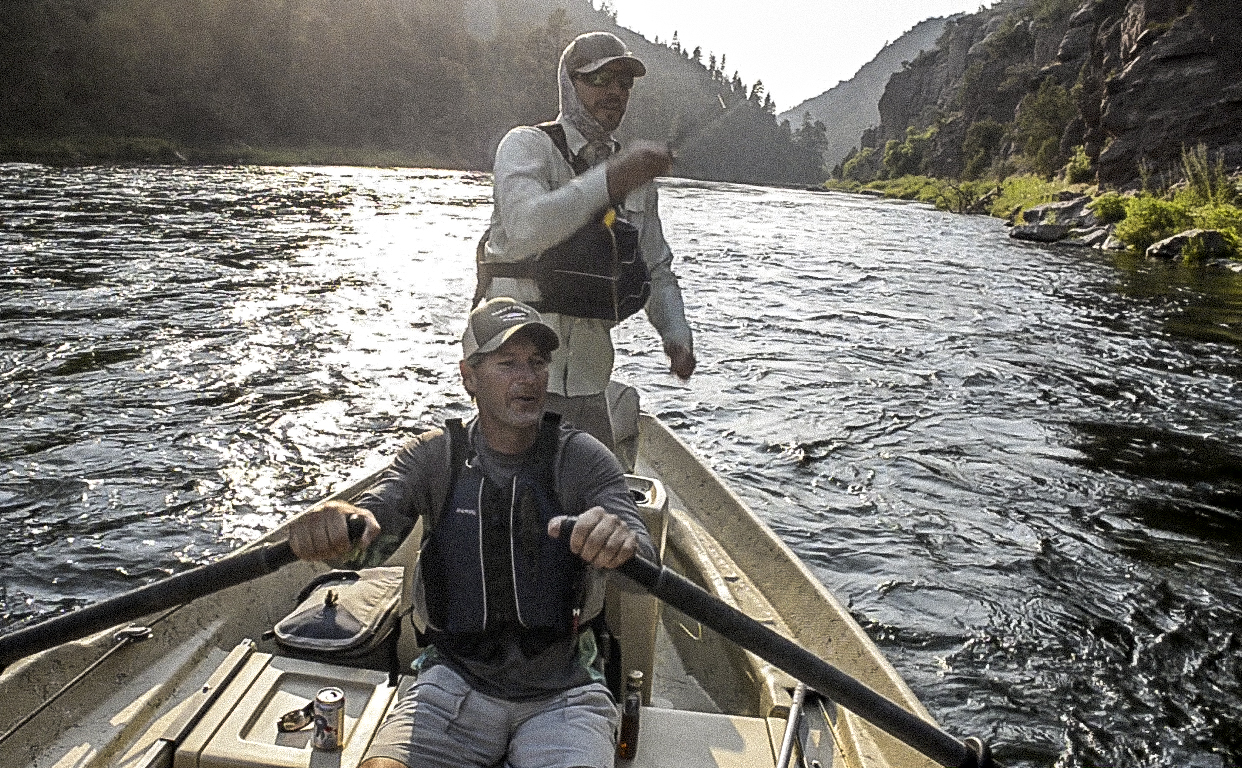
1018 465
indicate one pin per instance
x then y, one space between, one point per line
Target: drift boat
201 685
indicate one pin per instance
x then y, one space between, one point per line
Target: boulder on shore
1089 238
1208 242
1039 233
1072 211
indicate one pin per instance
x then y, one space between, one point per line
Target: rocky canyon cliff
1132 82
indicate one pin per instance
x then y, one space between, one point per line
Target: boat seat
675 737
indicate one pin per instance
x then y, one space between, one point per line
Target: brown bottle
631 708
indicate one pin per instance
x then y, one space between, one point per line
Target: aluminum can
329 715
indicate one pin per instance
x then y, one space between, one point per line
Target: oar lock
134 633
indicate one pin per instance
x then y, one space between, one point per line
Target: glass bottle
627 746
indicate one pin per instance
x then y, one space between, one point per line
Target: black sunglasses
602 78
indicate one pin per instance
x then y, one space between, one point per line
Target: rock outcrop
1144 78
1040 233
1067 221
1171 77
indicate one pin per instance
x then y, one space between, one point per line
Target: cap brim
542 335
635 66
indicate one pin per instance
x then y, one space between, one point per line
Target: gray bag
346 616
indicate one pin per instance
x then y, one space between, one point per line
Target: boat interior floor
237 727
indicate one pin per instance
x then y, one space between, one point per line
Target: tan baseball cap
588 52
497 320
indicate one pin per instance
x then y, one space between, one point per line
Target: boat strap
458 446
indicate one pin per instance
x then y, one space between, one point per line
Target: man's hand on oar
600 538
323 533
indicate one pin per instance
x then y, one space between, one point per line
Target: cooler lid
240 730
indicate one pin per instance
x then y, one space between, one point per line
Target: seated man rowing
512 675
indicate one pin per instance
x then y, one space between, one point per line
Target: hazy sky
799 48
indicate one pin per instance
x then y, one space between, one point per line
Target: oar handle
166 593
783 653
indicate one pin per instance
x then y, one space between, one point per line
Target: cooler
240 729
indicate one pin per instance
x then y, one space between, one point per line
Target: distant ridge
851 107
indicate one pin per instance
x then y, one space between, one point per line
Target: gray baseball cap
497 320
588 52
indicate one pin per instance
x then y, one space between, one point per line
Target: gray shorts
440 722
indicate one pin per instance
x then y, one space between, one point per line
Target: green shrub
1150 219
1050 11
1042 117
1024 191
1109 207
909 157
841 185
982 141
1206 183
1078 170
1195 249
1227 218
860 167
961 197
922 188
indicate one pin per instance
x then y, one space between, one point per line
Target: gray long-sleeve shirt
539 203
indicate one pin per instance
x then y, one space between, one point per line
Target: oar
143 601
783 653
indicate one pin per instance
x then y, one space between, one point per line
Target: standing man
551 245
512 675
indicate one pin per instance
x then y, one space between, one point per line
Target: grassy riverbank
1003 199
1205 197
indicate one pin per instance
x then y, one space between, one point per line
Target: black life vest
488 562
599 272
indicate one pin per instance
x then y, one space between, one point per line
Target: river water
1018 465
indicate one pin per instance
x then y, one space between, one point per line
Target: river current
1018 465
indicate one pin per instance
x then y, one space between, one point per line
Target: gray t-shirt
586 475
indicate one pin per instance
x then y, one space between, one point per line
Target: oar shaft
166 593
695 602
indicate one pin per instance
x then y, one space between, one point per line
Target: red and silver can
329 717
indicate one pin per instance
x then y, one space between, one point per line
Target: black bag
599 272
346 617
